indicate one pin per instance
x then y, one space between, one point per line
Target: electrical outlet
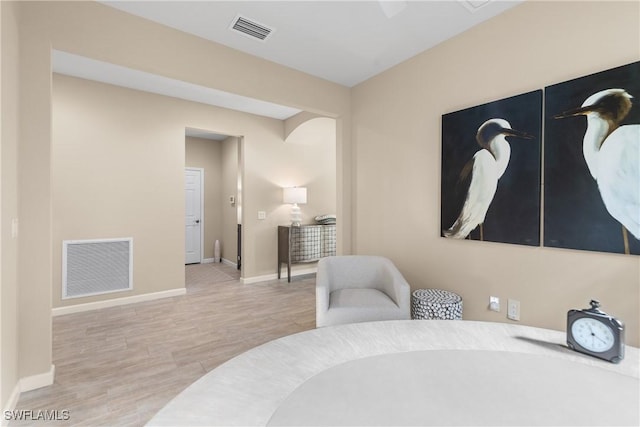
513 309
262 215
494 303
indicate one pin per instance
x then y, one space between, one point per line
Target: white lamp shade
294 195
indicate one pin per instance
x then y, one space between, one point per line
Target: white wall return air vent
94 267
250 28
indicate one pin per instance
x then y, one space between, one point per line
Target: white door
193 215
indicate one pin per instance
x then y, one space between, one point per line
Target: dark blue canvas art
592 162
490 185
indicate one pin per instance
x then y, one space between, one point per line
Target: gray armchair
360 288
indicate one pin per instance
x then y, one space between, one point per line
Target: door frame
201 171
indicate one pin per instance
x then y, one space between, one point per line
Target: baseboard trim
11 403
274 276
230 263
78 308
222 261
257 279
37 381
26 384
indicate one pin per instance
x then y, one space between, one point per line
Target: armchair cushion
372 298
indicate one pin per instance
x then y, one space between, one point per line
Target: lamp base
296 215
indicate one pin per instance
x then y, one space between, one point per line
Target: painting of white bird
484 170
607 176
482 198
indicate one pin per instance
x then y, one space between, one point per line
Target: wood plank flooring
118 366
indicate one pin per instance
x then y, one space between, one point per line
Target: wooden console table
306 243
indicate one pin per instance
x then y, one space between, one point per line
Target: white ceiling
345 42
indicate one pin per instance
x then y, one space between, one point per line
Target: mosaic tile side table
436 304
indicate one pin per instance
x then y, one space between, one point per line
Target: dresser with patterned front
305 243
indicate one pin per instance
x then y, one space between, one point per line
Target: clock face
592 335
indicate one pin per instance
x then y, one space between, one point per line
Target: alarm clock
593 332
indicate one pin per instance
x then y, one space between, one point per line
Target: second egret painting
491 171
592 162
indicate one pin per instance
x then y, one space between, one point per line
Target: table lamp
295 195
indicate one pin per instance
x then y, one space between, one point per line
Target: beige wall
396 131
111 178
8 201
207 155
34 199
269 166
118 159
315 140
100 32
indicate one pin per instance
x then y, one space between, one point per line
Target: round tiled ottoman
436 304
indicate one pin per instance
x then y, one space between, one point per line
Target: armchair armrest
323 290
395 285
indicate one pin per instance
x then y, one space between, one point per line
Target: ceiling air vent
251 28
474 5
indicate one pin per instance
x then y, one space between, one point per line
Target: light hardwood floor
118 366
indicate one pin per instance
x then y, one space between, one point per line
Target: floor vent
94 267
251 28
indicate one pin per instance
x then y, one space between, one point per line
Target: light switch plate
494 303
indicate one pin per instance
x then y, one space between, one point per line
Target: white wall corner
37 381
11 404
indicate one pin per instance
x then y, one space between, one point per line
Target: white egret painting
490 188
592 162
